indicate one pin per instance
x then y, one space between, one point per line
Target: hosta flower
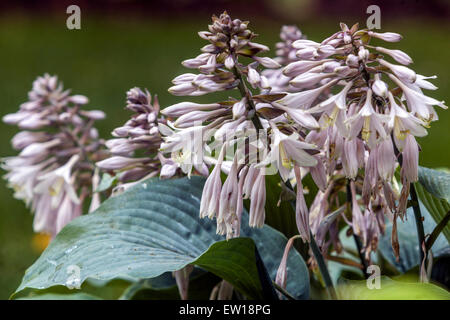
135 148
285 54
365 122
287 152
54 170
233 135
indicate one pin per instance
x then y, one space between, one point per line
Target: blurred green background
112 53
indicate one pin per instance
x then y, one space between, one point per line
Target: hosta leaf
58 296
154 228
282 216
433 191
106 182
391 290
436 182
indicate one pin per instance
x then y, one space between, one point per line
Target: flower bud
239 108
386 36
267 62
397 55
380 88
402 72
363 54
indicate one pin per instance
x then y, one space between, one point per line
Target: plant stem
323 268
416 209
318 256
314 248
355 237
361 255
419 222
246 94
283 291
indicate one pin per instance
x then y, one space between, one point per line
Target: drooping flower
366 124
233 135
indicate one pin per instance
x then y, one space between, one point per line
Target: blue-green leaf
154 228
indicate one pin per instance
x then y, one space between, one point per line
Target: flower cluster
58 144
369 122
285 54
134 152
246 138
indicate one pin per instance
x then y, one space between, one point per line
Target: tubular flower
59 145
247 137
366 124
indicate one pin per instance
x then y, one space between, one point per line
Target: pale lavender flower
386 36
139 135
182 280
285 54
397 55
258 200
281 277
197 135
365 122
54 170
301 210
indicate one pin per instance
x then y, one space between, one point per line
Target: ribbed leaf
433 191
436 182
154 228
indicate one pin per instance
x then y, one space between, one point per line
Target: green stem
314 248
323 268
246 93
318 256
419 222
283 291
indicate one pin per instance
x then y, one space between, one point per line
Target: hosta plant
305 180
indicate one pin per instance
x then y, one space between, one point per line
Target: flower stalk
245 93
419 222
323 268
358 243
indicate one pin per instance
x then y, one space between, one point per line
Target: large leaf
436 182
154 228
391 290
434 192
59 296
407 238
